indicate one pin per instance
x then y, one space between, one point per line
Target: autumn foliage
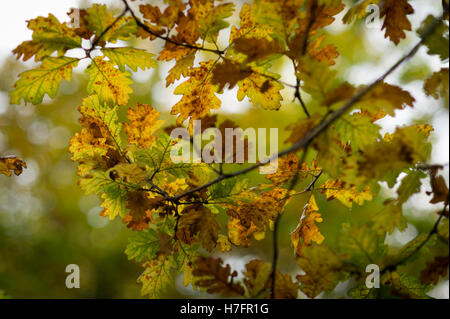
184 214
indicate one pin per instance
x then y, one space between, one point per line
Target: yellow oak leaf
157 275
143 123
130 173
210 24
113 194
437 84
358 11
336 188
395 19
198 220
109 83
307 231
326 54
79 23
387 98
284 288
34 84
301 127
385 159
317 16
287 168
322 269
261 89
98 145
239 234
257 48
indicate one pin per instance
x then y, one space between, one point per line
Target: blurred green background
46 222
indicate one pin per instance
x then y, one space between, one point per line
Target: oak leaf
261 89
439 188
387 98
198 220
98 145
434 270
345 194
157 276
168 17
438 42
387 158
198 95
396 21
287 168
141 206
229 72
256 276
133 58
143 245
210 25
389 218
361 245
49 35
34 84
103 22
404 286
285 287
257 48
437 84
223 243
250 214
180 68
322 269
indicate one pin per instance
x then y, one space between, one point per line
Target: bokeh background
46 222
